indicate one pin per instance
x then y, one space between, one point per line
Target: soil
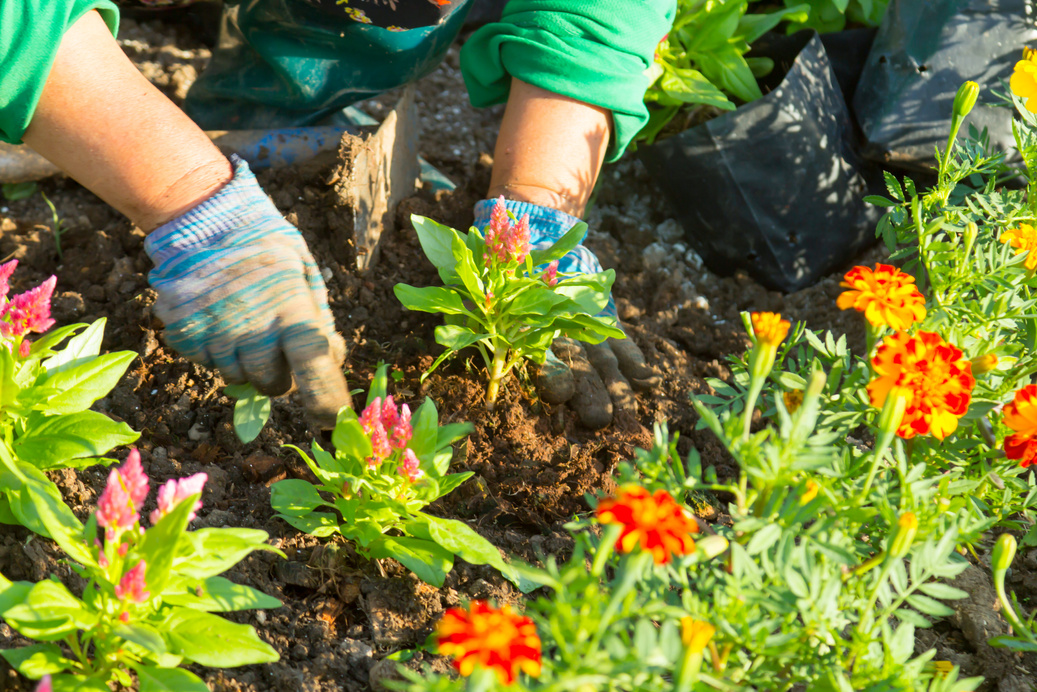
533 464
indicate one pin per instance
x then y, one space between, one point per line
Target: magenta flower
504 241
132 587
402 433
518 240
380 446
173 492
390 414
371 415
45 684
29 311
411 467
127 487
550 275
6 269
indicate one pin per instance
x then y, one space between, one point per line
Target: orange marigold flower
769 328
1023 239
933 375
887 296
1024 79
984 364
1021 416
493 638
655 522
793 399
696 634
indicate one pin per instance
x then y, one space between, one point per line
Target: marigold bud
696 634
965 99
1004 553
809 493
907 527
983 364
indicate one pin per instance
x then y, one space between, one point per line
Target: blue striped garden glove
239 291
595 378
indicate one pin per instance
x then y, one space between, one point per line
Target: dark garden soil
533 464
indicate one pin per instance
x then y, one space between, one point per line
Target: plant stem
497 373
629 573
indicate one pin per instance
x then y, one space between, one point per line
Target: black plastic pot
775 187
923 52
847 52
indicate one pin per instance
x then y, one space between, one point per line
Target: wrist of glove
597 380
239 291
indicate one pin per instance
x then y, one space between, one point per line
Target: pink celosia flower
389 413
127 487
45 684
173 492
411 467
132 587
380 446
518 240
371 415
505 242
29 311
6 269
550 275
402 433
24 348
124 617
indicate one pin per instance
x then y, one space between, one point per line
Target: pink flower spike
518 242
45 684
124 617
380 446
115 509
133 476
173 492
389 413
29 311
6 269
497 233
24 348
550 275
371 415
411 467
132 586
402 433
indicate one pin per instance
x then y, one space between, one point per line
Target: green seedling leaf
212 641
154 679
48 442
295 497
13 192
251 411
217 594
77 388
80 349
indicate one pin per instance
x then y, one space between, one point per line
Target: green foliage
506 310
379 505
106 636
13 192
251 411
45 421
826 16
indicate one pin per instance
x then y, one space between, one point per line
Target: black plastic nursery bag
775 187
923 52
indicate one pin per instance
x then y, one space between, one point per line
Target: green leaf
251 411
80 683
437 299
425 426
379 388
295 497
80 349
727 69
349 437
14 192
466 269
573 237
211 551
436 240
36 660
217 594
49 613
80 386
154 679
212 641
456 338
464 542
319 524
143 636
155 545
49 441
427 560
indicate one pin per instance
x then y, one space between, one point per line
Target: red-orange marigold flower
1021 416
1023 239
769 328
887 296
655 522
493 638
933 374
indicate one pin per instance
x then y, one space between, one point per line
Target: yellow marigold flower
810 493
1021 416
793 399
1024 79
907 526
769 328
943 668
493 638
656 522
887 296
932 374
696 634
1024 238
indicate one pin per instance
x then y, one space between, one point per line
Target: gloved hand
239 291
595 378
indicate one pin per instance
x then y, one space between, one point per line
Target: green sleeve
595 51
27 53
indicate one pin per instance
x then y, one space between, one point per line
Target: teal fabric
283 63
595 51
30 33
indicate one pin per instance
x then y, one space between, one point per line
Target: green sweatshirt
32 31
595 51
